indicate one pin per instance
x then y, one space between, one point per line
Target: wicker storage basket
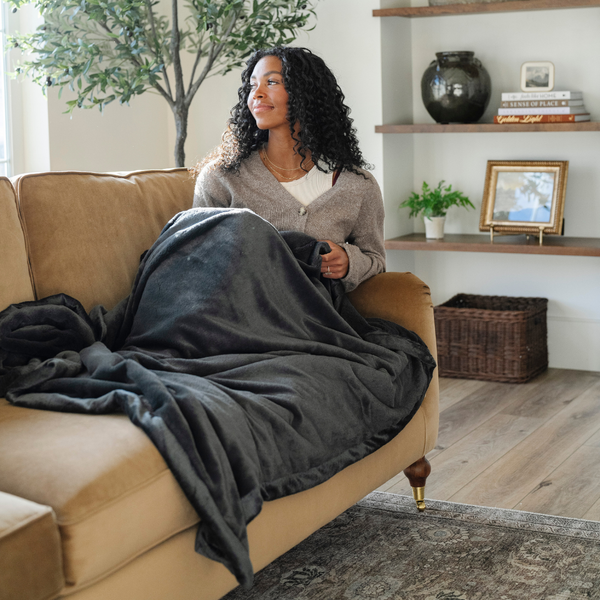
495 338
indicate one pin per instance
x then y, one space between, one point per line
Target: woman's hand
335 264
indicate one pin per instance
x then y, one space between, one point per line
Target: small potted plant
433 204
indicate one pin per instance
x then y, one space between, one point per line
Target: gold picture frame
522 196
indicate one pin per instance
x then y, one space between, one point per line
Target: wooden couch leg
417 474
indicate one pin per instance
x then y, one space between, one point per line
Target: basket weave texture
494 338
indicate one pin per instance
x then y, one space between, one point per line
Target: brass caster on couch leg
419 496
417 475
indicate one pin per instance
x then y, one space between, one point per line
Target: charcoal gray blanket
254 377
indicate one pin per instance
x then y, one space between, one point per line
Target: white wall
123 138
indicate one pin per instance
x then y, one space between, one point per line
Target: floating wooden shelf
480 8
487 127
511 244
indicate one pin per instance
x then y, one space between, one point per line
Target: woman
291 155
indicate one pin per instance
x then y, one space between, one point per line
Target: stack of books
542 107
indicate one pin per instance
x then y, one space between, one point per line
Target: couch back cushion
85 232
14 269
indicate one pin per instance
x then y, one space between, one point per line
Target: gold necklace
266 156
275 172
293 178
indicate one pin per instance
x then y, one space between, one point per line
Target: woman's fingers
335 264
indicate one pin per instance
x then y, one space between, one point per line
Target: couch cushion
16 283
86 231
30 554
110 489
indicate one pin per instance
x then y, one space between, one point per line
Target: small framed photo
537 76
524 196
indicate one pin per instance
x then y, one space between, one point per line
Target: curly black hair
315 101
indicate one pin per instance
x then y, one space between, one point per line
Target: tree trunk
181 123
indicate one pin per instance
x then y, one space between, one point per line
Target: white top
308 188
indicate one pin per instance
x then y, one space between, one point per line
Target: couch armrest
404 299
30 550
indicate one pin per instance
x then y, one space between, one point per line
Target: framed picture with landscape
524 196
537 76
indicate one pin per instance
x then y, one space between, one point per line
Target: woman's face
268 98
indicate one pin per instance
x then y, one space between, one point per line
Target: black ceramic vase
456 88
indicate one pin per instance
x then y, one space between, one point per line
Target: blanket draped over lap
254 377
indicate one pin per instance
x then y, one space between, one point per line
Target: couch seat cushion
111 491
30 553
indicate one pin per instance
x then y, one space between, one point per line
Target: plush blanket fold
253 376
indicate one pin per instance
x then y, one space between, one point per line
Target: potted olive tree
433 205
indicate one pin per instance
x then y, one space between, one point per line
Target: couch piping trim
105 505
118 174
31 519
17 192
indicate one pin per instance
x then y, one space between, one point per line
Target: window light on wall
5 147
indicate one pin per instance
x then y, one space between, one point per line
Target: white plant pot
434 227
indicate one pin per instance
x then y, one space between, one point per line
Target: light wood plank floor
532 446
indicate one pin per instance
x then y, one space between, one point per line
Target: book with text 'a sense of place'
539 103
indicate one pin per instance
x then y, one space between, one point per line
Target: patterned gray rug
383 549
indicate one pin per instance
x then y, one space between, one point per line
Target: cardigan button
302 211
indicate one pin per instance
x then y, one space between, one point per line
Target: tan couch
88 508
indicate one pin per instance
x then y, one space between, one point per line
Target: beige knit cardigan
349 214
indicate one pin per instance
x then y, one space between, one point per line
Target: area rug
384 549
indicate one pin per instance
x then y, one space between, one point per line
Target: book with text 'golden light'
510 119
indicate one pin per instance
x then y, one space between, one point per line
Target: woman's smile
261 107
